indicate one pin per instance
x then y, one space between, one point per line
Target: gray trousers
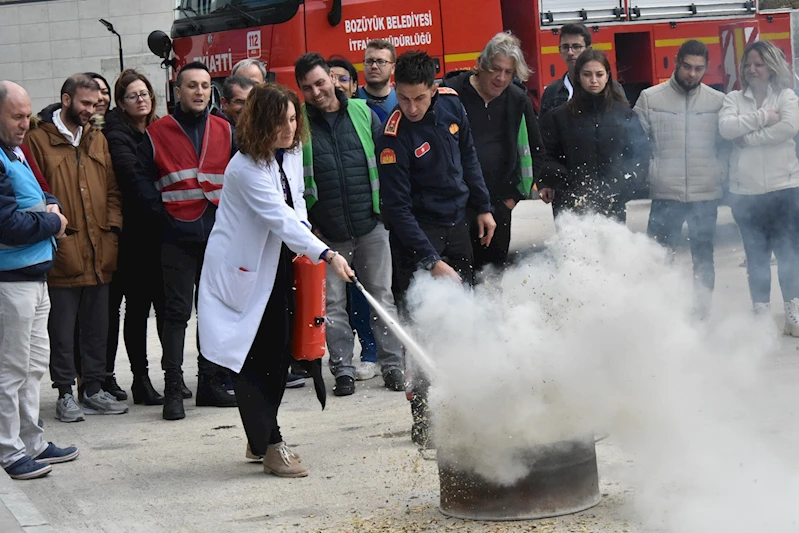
24 355
370 256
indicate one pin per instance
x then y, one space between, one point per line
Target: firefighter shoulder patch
447 90
392 124
388 157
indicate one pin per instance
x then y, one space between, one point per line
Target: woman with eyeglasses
762 120
344 74
138 275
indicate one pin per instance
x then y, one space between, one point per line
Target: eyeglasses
343 79
134 97
379 62
573 47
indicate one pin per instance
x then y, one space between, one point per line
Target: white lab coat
241 259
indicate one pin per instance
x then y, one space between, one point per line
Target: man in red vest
179 170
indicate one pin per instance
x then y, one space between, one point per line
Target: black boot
212 392
184 390
173 400
144 393
111 386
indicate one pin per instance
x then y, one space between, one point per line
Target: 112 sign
254 44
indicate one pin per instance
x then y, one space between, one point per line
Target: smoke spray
597 335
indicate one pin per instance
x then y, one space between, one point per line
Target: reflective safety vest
187 182
361 117
525 185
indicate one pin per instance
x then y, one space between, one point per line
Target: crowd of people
101 200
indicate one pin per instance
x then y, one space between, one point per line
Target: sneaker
366 370
294 381
103 403
792 318
27 468
395 380
67 409
53 454
345 386
282 462
297 370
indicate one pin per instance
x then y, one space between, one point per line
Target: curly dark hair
263 117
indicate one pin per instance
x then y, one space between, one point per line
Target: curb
17 512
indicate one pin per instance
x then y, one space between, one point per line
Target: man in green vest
506 137
342 193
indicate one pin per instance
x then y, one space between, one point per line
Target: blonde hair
508 45
781 77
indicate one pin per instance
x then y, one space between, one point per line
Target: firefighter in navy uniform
429 174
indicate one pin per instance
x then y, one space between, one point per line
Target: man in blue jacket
429 174
30 221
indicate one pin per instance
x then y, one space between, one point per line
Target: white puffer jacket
764 157
689 159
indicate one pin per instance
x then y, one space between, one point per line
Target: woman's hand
339 265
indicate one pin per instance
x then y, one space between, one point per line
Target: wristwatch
430 264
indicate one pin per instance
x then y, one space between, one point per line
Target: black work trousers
88 306
140 281
496 253
260 384
181 265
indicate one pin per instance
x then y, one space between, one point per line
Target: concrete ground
138 473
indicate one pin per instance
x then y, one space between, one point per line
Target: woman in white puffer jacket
762 120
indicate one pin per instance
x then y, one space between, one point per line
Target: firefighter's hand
772 117
340 265
486 226
443 270
547 195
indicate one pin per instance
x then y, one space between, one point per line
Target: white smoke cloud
596 335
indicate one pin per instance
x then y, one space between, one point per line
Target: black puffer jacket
597 158
123 140
344 209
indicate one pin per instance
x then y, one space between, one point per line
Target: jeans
181 264
360 320
769 222
24 354
89 306
666 218
370 256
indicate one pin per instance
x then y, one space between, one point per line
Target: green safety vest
525 185
361 117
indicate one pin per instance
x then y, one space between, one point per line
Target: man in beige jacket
689 163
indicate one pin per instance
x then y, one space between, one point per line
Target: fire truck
640 37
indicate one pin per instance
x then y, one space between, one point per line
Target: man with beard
689 163
76 163
378 67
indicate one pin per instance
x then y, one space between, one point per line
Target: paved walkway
17 512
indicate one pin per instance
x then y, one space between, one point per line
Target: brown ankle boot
252 457
281 461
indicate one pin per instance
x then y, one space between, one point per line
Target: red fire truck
640 37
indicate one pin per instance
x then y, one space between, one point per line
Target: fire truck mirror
160 44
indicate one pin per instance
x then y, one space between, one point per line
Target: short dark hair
78 81
234 81
341 62
194 65
306 63
692 48
383 44
576 29
415 67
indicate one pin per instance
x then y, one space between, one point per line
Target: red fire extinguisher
309 318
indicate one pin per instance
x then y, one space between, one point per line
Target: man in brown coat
76 163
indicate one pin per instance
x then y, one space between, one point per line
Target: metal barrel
562 479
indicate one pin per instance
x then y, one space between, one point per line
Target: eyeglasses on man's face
379 62
573 47
146 95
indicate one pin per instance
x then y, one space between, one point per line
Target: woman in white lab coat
246 297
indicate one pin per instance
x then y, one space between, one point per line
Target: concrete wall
42 43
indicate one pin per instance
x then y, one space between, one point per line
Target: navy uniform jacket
429 173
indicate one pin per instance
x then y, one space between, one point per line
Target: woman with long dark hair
762 120
597 152
246 293
138 274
